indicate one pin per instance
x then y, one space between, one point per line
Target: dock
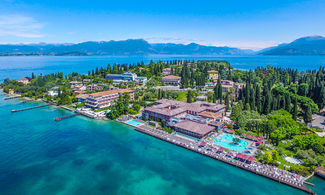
12 97
166 137
23 109
65 117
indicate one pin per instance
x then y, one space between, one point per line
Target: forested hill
312 45
126 47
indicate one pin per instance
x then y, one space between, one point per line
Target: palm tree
236 140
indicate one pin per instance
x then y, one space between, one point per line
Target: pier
23 109
187 145
65 117
12 97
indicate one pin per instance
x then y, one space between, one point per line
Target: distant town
269 121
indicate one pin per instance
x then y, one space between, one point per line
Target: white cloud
20 26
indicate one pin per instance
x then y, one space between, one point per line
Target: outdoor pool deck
226 141
134 122
258 168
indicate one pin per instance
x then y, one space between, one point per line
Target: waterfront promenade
258 168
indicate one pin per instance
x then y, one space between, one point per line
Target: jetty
190 146
23 109
12 97
65 117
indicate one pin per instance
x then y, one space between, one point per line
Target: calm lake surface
16 67
84 156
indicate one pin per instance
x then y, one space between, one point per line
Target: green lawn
182 96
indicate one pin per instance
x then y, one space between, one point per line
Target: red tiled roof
109 92
171 77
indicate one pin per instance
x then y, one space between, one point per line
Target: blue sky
245 24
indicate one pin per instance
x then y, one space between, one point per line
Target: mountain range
126 47
312 45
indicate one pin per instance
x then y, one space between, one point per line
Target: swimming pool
226 141
134 122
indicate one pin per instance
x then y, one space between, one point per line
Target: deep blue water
16 67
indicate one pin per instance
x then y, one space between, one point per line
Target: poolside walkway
258 168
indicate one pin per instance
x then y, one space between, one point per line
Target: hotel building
103 99
126 77
213 74
193 119
171 79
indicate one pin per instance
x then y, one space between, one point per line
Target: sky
247 24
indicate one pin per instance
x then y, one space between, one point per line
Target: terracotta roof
195 127
171 77
178 107
109 92
212 71
25 78
80 92
211 115
82 96
72 82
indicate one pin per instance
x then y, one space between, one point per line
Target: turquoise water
226 141
16 67
84 156
134 122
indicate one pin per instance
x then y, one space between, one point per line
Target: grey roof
195 127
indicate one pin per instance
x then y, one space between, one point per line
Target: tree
189 96
219 91
268 157
295 109
241 121
216 93
321 98
236 140
267 102
287 102
308 115
227 102
235 112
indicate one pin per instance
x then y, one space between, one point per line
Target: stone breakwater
267 171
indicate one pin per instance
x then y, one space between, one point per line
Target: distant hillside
312 45
127 47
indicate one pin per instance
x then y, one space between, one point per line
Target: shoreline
139 129
302 188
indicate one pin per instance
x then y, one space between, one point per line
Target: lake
84 156
16 67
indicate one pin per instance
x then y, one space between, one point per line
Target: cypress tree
308 115
267 102
189 96
215 94
295 109
287 102
227 102
321 98
258 99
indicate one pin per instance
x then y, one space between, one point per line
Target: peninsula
262 120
